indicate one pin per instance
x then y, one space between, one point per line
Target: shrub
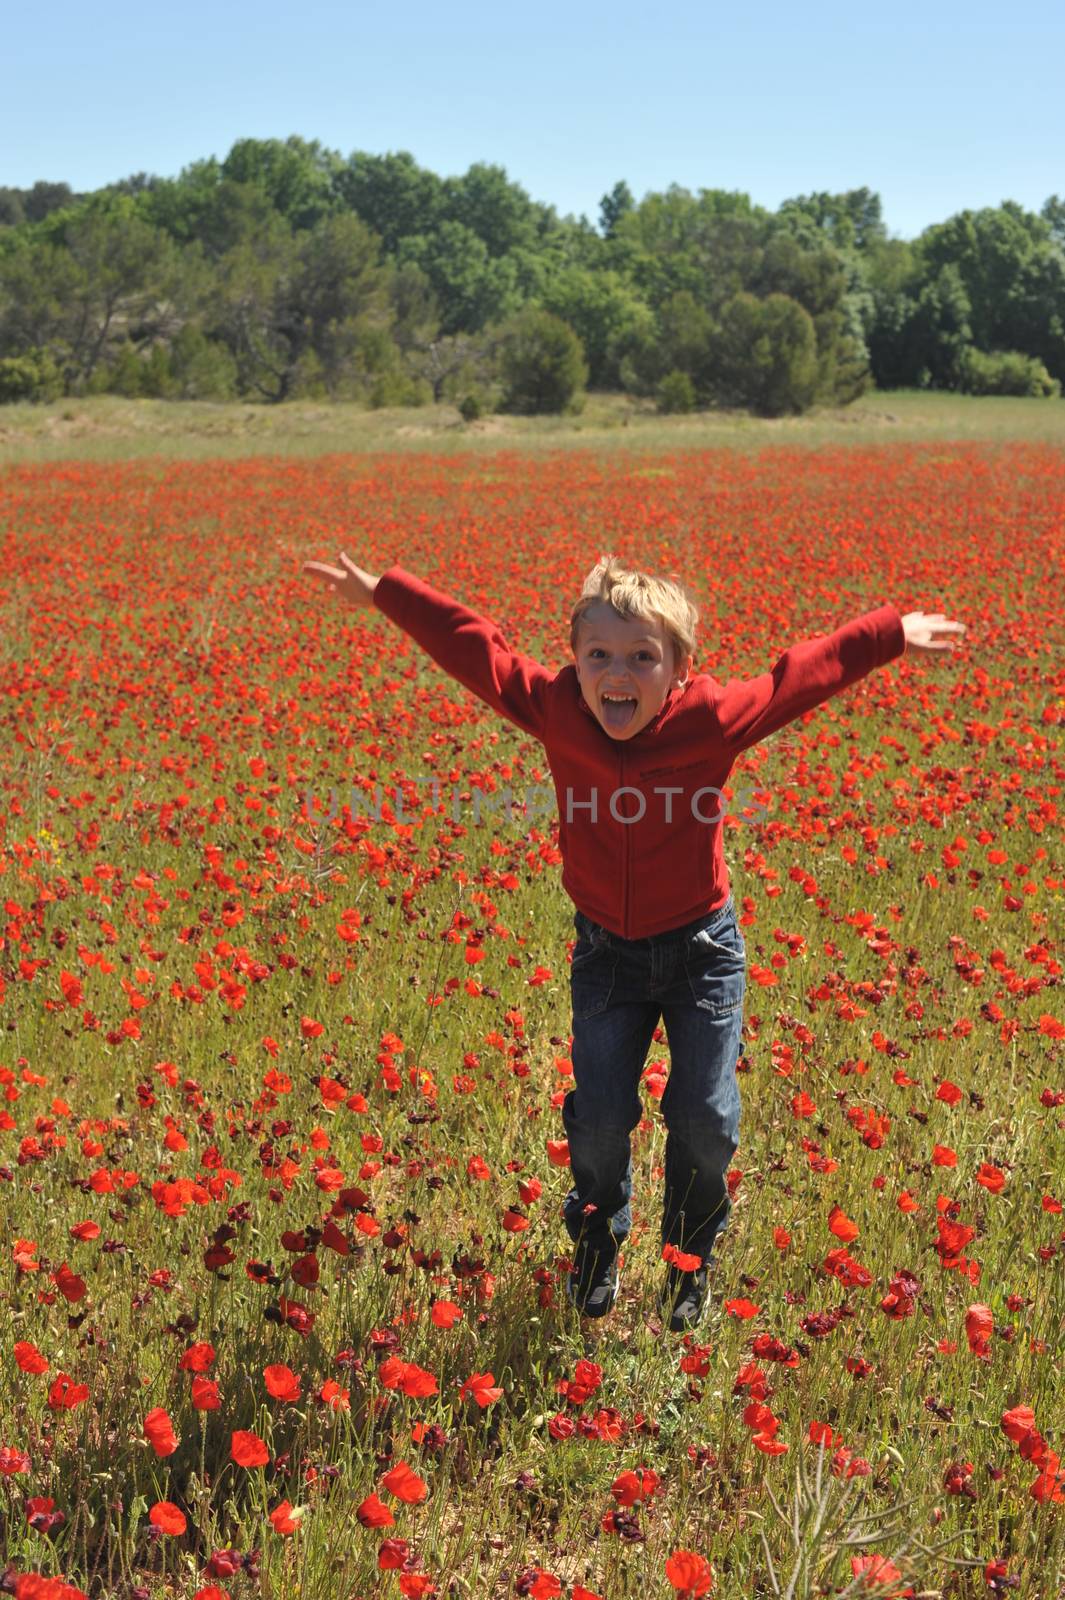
397 388
201 368
471 406
124 375
541 363
765 355
676 392
1007 372
33 376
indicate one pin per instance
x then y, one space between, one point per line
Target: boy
640 751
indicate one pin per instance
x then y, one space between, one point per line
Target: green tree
1053 214
850 221
202 368
471 288
765 355
297 177
1005 372
685 341
204 207
541 363
30 376
613 206
395 197
499 212
12 211
676 393
87 280
1012 270
44 198
606 313
307 311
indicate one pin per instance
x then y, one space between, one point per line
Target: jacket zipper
625 857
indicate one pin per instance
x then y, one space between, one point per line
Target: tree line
288 270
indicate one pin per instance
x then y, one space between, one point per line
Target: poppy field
284 1040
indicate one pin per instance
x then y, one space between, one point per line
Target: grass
194 953
105 428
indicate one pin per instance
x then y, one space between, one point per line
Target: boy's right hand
350 582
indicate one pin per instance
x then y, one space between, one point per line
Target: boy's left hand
930 631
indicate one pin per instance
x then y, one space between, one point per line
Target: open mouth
618 711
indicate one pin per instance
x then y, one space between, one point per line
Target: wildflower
633 1488
159 1432
167 1517
205 1395
979 1324
405 1484
248 1450
285 1520
373 1513
28 1358
392 1553
689 1573
482 1387
281 1382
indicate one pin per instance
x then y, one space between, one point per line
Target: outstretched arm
750 709
469 647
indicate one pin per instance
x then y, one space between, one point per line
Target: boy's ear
683 672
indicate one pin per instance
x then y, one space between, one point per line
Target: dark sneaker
684 1297
593 1282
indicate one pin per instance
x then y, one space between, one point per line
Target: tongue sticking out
617 714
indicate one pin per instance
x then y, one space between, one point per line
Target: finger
331 574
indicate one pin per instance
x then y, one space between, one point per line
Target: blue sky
937 106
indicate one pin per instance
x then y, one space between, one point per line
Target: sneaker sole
614 1290
684 1324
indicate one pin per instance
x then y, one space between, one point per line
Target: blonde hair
637 594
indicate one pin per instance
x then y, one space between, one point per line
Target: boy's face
625 668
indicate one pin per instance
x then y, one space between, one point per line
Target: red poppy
392 1554
248 1450
159 1432
689 1573
635 1488
167 1517
197 1358
373 1513
281 1382
284 1522
483 1388
205 1395
29 1358
541 1585
405 1484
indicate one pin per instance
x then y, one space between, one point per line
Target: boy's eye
644 655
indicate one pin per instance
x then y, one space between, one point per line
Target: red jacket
663 867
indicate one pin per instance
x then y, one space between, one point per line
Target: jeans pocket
592 973
716 968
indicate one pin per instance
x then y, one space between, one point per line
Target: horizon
936 115
590 215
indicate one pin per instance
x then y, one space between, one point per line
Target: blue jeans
693 978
